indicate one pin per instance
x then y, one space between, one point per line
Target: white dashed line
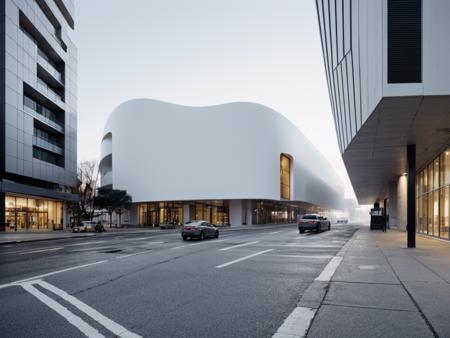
242 259
40 250
238 246
189 245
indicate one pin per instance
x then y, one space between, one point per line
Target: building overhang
377 154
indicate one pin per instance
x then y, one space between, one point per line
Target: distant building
236 163
386 63
38 122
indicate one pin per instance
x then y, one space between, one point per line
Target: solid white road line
274 232
296 324
40 250
238 246
328 272
137 238
51 273
73 319
242 258
112 326
206 242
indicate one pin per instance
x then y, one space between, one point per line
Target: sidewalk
382 289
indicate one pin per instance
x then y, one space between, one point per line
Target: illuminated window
285 177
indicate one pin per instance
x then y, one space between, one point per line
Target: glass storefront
25 213
433 197
157 213
271 212
214 212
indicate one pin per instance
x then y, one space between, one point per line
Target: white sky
203 52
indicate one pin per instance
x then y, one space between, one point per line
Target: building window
404 41
285 177
433 197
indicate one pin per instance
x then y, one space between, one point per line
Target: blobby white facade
227 156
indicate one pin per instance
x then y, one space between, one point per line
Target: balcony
47 145
49 92
49 122
43 61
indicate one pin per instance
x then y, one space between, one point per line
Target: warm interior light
446 153
404 174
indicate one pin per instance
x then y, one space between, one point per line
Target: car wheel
329 227
217 234
302 231
184 238
318 228
202 236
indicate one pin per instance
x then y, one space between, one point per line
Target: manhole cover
112 251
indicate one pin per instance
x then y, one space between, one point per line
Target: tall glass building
386 64
38 119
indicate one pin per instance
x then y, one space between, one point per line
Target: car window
309 217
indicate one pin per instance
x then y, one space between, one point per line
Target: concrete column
186 213
249 212
392 205
401 202
411 199
235 212
2 212
134 213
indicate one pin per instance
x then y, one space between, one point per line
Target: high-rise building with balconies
38 119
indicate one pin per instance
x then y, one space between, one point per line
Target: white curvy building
236 163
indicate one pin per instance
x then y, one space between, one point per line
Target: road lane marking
274 232
133 254
242 258
109 324
238 246
86 243
296 324
51 273
93 248
40 250
328 272
73 319
303 256
188 245
137 238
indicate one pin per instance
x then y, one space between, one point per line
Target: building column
411 198
186 213
2 212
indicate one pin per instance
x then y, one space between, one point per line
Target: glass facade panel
433 197
157 213
22 213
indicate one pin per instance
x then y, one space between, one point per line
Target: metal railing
48 145
54 124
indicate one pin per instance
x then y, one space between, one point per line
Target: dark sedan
199 229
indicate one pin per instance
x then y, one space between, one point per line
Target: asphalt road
243 284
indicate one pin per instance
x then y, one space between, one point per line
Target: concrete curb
298 323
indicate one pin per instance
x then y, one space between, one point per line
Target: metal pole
411 195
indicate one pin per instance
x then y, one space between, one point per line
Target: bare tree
87 175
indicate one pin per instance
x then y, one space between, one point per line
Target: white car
86 226
313 222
